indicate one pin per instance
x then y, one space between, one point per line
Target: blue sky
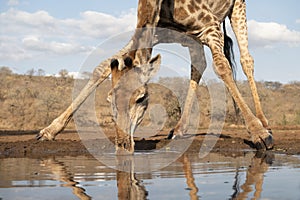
60 34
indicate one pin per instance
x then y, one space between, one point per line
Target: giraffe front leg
100 73
238 21
58 124
55 127
247 64
260 136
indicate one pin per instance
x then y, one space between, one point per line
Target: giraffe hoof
171 134
44 136
270 131
265 143
41 136
38 136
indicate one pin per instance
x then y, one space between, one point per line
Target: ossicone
114 64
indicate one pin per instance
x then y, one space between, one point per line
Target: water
243 176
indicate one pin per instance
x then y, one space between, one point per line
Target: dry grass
32 102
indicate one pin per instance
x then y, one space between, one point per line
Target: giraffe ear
156 60
150 69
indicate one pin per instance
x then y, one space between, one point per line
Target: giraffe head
129 98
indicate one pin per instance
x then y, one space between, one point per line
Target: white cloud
13 2
30 33
10 49
36 44
21 22
99 25
91 23
268 34
298 21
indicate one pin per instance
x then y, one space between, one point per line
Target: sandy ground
24 144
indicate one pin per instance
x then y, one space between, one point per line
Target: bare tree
21 106
41 72
50 102
63 73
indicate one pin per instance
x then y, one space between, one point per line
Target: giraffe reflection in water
61 173
131 187
255 176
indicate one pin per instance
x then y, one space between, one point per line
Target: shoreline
68 143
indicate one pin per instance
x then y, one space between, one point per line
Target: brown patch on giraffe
240 6
211 4
201 15
243 27
204 7
180 13
193 7
206 19
191 22
196 3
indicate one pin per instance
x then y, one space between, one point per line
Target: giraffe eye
141 99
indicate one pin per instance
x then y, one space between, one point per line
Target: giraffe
61 173
201 20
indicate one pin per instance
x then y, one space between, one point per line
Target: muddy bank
231 142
